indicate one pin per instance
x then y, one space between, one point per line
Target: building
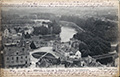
6 33
71 46
28 29
16 56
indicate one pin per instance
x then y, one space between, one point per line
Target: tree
36 30
56 28
40 30
43 30
83 48
92 45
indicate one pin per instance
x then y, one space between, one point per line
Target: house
28 29
38 41
16 56
6 33
78 54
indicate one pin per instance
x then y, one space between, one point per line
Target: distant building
50 43
72 45
91 62
12 31
28 30
38 41
42 21
78 54
15 38
6 33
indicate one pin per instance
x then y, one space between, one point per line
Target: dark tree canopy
43 30
92 45
53 28
107 30
36 30
56 29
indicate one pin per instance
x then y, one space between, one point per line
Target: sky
63 10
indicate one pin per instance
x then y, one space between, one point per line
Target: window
16 59
26 62
7 61
9 49
23 49
17 53
7 58
12 58
21 57
12 61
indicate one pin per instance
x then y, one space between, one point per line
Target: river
67 33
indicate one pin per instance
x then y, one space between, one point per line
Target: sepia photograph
63 38
59 37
